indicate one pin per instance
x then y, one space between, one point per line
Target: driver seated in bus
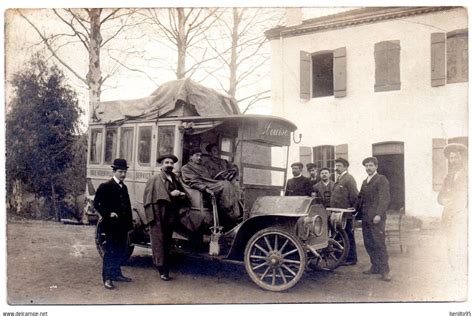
196 176
216 165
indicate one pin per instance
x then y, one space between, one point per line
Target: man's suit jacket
110 197
374 198
324 192
344 194
298 187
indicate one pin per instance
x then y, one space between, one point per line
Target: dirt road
52 263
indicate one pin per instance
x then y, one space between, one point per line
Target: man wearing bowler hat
299 185
163 198
113 204
344 195
374 199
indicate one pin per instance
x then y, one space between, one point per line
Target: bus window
126 143
110 144
144 145
165 140
96 145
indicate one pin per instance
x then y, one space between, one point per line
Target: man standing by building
454 197
344 195
113 204
373 204
324 187
313 173
163 198
298 185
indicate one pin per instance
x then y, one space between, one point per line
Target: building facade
387 82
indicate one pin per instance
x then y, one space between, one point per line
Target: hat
324 168
209 147
167 155
370 159
311 166
297 164
120 163
454 147
196 150
343 161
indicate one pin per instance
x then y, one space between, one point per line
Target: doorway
392 165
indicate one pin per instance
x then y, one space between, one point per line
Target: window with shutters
457 56
322 71
323 74
324 156
387 66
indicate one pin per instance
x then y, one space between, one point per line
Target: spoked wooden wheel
336 252
274 259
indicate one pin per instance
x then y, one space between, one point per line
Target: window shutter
342 151
387 66
340 72
440 165
438 59
305 75
305 156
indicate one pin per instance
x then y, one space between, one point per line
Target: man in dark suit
324 187
163 198
298 185
344 195
113 204
313 173
374 199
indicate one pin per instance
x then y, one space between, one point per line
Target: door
392 165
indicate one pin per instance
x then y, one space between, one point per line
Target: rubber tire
301 252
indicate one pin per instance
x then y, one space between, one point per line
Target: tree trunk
233 57
57 214
94 75
181 41
17 195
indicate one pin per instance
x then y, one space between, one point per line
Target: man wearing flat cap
227 196
163 198
344 195
298 185
113 204
454 197
374 199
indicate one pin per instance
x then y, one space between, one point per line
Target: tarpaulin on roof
163 100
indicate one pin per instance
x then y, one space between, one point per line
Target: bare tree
241 48
93 29
183 28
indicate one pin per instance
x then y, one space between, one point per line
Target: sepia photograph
235 157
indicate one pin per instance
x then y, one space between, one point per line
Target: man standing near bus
298 185
344 195
113 204
373 204
162 199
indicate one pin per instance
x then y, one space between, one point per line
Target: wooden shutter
305 157
340 73
387 66
341 151
438 59
440 165
305 75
